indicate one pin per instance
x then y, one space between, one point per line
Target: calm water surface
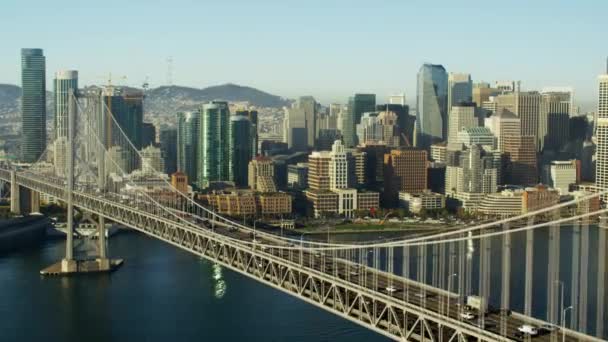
160 294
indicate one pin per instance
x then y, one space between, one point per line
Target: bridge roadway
355 292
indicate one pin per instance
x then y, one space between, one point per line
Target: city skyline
290 52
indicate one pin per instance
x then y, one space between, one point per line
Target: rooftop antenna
170 71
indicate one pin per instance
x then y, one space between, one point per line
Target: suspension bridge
537 276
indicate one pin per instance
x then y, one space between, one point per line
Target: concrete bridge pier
15 198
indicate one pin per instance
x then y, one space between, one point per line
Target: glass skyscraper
65 82
240 149
213 143
188 130
33 104
431 105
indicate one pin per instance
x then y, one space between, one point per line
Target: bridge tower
69 264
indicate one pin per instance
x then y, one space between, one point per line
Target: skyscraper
405 170
308 106
168 146
431 104
213 143
188 130
601 170
554 120
252 115
461 116
296 135
460 89
33 104
126 106
65 83
502 124
240 149
357 105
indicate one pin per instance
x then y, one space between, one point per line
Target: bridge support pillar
15 200
34 201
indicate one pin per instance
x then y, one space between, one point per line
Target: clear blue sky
325 48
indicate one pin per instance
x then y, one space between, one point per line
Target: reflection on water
160 294
219 282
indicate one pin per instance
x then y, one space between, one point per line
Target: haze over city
327 49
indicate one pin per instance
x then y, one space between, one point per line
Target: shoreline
371 230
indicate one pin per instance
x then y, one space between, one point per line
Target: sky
330 49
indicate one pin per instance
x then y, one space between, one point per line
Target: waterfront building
431 105
240 149
297 176
561 174
601 173
152 160
261 174
405 169
65 82
425 200
33 104
213 144
521 160
188 130
179 181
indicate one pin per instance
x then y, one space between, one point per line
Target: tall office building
213 144
33 104
148 134
522 168
526 106
431 105
168 146
152 160
405 121
338 167
252 115
405 170
502 124
261 174
188 130
462 116
397 99
65 82
296 134
240 149
308 109
601 170
351 116
554 122
460 89
482 93
126 106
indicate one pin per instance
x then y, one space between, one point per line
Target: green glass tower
188 129
33 104
240 149
214 144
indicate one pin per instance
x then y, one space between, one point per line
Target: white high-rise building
65 82
338 167
560 174
152 160
502 124
601 170
461 117
397 99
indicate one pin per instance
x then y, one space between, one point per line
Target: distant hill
170 99
166 100
9 98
